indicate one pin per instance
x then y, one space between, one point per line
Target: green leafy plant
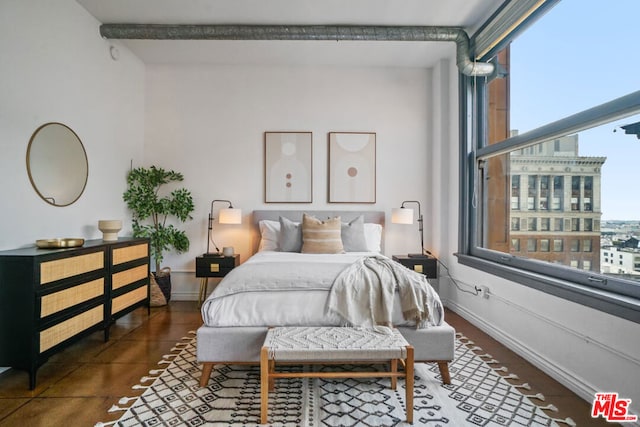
151 209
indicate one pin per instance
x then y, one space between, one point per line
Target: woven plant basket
157 297
163 277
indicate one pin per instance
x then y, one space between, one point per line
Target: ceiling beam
304 32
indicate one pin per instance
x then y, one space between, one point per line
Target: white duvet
281 289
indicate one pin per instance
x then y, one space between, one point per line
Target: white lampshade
230 216
402 216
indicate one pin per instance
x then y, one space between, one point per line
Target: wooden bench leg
394 369
264 384
444 372
409 384
207 367
272 381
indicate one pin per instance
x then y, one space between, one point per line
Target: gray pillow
290 238
353 235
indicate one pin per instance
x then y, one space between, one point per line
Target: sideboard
50 298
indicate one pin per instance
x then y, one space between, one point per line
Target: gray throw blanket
362 294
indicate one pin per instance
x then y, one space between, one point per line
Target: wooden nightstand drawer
426 265
215 266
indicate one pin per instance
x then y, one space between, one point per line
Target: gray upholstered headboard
376 217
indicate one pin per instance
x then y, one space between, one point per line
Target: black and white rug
479 395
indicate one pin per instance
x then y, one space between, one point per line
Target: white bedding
281 289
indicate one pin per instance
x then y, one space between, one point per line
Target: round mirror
57 164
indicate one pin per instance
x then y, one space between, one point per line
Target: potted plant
151 210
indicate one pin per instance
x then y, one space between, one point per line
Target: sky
580 54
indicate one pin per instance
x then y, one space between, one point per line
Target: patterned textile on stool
334 343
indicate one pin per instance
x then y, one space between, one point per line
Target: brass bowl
59 243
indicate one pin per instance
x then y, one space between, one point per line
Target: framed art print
288 167
352 167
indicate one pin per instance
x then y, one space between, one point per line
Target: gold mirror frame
57 164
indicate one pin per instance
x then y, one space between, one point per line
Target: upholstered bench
331 344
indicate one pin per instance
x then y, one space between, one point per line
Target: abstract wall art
352 167
288 167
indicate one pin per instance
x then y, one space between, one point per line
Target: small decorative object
288 167
227 251
59 243
109 228
352 167
229 215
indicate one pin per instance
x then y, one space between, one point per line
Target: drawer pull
215 268
418 268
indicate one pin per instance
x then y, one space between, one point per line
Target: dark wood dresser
50 298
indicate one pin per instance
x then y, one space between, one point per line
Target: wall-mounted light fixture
404 215
228 215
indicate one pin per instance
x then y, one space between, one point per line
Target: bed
278 286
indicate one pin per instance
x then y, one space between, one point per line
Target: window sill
608 302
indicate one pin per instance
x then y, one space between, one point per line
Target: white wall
56 67
208 122
585 349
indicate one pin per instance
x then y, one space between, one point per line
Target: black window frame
612 295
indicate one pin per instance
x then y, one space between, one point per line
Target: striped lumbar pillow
321 237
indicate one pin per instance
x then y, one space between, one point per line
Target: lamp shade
230 216
402 216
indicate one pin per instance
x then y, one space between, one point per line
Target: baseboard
572 382
184 296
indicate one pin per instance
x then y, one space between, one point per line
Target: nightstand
213 266
427 264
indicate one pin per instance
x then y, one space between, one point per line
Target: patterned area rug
479 395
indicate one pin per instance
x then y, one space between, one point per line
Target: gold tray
59 243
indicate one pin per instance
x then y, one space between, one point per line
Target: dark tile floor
77 386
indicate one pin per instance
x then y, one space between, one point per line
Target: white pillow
373 236
269 232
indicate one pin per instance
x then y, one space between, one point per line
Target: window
588 193
588 224
515 245
575 193
531 245
544 245
557 193
544 224
575 224
575 245
515 192
557 245
533 192
527 132
544 192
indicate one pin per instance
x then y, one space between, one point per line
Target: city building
555 204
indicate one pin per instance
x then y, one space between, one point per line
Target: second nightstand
213 266
427 265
